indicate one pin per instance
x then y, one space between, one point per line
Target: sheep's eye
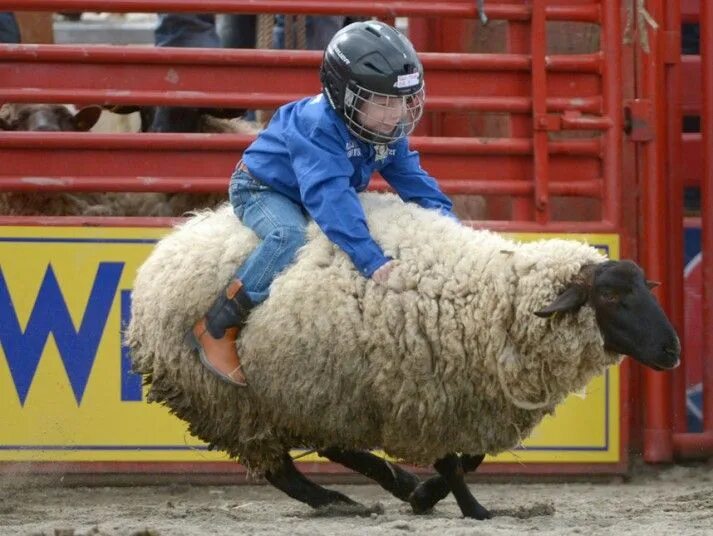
609 295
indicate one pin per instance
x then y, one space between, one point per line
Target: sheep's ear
574 297
652 284
87 117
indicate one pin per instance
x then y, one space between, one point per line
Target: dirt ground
673 501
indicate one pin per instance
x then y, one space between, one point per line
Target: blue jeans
186 30
237 31
182 30
319 29
277 220
9 31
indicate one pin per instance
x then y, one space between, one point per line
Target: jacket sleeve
323 170
405 174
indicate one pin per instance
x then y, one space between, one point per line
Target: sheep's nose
673 353
673 348
46 127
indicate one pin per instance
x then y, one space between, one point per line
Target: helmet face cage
380 118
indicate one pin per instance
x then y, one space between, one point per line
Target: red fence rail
200 77
587 11
580 92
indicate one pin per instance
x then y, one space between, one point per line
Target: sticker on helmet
406 80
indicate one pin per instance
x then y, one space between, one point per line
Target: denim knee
291 238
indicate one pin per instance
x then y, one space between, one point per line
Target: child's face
379 118
381 113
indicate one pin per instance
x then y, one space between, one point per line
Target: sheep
59 117
447 357
56 118
47 117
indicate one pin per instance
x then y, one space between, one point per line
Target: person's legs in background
9 30
237 31
319 31
182 30
186 30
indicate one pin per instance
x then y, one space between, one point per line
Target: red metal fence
672 86
697 170
569 92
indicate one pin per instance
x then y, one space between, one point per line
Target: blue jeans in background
319 30
277 220
182 30
237 31
186 30
9 30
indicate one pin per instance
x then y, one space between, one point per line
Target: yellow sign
67 392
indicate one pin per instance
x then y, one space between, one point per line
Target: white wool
448 356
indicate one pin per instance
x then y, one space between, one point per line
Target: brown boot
215 334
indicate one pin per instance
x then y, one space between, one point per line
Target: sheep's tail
522 404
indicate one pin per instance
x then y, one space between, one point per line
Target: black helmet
372 77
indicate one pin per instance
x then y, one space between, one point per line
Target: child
310 162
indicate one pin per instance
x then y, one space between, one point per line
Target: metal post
538 50
658 418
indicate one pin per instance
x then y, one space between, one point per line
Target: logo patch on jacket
353 149
382 151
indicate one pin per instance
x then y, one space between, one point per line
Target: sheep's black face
47 118
629 317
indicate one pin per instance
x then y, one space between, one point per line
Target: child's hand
381 275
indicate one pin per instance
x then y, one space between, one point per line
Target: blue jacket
307 154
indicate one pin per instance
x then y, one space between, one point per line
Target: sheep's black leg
452 469
429 492
392 478
287 478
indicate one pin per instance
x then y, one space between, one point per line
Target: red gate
690 93
569 92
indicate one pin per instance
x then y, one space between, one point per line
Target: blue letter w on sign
77 348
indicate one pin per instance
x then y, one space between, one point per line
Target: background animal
58 117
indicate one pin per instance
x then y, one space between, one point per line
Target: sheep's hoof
420 501
477 511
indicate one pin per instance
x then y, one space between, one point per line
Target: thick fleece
447 357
